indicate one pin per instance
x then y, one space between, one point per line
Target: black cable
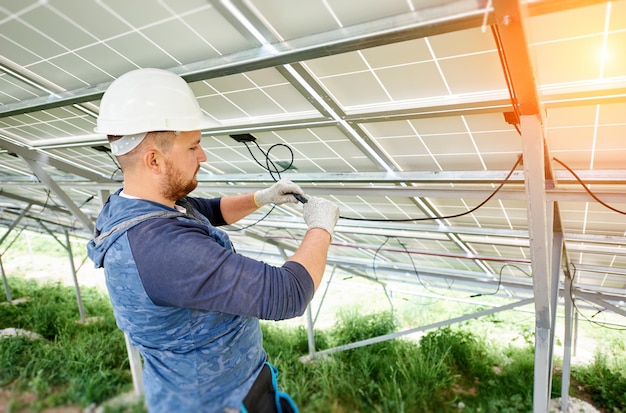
277 171
48 200
376 256
506 179
86 201
417 274
117 165
270 167
112 177
500 279
518 268
45 204
589 320
13 241
257 221
273 169
580 181
497 289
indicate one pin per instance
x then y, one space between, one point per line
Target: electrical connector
299 197
243 137
511 118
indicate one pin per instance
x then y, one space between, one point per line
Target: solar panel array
402 112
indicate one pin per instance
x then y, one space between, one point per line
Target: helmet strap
126 143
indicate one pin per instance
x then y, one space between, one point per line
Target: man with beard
184 297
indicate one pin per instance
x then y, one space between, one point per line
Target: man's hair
163 140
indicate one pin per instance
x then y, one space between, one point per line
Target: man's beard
176 186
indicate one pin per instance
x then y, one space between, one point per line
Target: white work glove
321 213
279 193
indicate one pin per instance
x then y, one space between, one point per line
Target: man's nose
201 155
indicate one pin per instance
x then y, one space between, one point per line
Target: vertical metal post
319 308
567 350
7 291
79 299
540 238
312 320
556 256
575 332
136 368
309 317
310 331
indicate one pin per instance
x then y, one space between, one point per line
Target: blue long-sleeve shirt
188 302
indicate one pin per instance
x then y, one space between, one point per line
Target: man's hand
321 213
279 193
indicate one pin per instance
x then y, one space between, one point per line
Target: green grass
81 364
447 368
605 380
74 363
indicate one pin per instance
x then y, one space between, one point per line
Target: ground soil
19 403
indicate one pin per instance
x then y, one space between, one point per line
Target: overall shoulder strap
122 226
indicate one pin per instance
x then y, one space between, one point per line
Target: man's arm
181 265
321 217
236 207
312 253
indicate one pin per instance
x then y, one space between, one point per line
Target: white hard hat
147 100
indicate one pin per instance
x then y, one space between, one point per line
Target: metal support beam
309 312
103 196
398 271
5 283
302 80
539 232
67 201
312 320
557 249
440 324
615 177
602 302
450 16
17 220
136 366
68 247
32 155
612 177
567 348
510 34
79 299
455 192
16 197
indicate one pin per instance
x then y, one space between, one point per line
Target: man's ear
153 160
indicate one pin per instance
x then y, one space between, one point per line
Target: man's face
182 164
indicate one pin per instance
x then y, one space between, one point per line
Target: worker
188 302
